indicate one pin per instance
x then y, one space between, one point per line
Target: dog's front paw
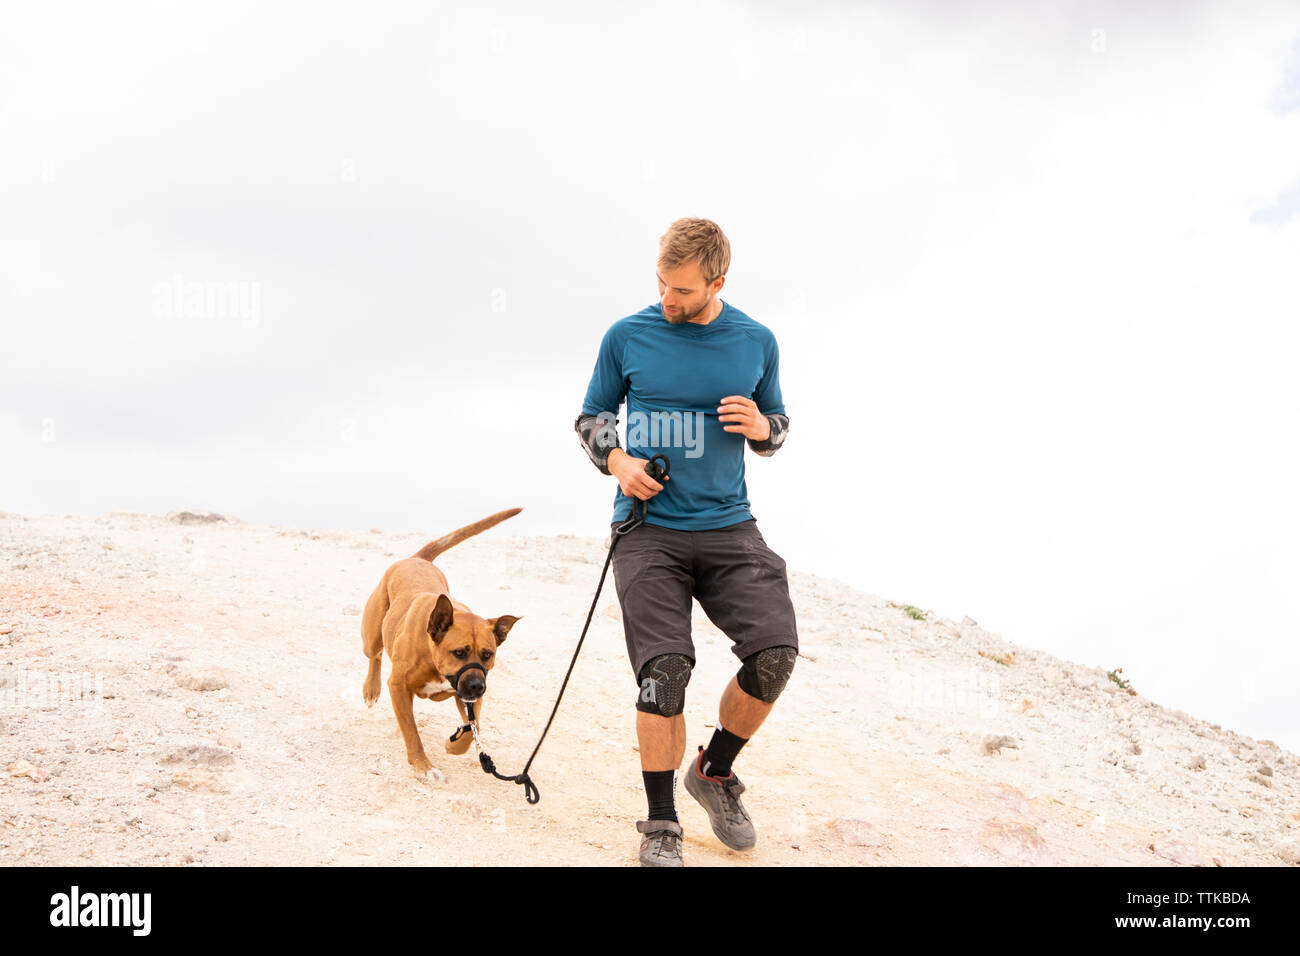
427 771
459 744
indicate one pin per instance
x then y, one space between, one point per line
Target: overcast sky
1033 274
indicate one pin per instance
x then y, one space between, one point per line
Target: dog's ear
502 625
440 619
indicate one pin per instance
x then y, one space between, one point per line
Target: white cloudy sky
1033 274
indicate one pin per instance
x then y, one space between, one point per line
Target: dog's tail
435 548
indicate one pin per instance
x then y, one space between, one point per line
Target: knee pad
763 674
663 684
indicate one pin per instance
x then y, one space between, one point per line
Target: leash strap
531 793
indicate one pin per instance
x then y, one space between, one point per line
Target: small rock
994 744
151 780
209 679
1197 763
1260 779
969 621
1289 852
196 517
221 836
1177 852
1014 838
855 833
23 768
198 781
198 756
1266 770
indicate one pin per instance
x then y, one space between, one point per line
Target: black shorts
738 580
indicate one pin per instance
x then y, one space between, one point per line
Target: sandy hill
182 693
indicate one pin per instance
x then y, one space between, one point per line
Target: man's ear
440 619
502 625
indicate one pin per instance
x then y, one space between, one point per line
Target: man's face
684 294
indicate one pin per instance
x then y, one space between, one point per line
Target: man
700 380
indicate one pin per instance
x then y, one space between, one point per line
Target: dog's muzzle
475 686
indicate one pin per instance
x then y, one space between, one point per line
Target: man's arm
760 418
779 425
599 436
597 427
767 396
611 459
597 423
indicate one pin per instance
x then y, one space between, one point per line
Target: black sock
659 787
722 749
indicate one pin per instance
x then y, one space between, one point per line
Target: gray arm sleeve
598 435
780 426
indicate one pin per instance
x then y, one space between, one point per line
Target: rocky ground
190 693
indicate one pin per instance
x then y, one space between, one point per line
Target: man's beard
682 317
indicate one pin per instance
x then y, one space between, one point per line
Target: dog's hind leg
372 641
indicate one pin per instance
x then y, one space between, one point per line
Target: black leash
531 793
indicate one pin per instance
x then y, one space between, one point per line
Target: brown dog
430 639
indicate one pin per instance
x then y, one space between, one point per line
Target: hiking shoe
721 798
662 843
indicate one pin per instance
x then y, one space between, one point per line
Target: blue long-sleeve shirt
673 378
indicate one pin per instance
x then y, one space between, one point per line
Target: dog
439 648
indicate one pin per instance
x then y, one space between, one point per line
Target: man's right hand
632 477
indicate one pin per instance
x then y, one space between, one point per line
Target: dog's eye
460 654
487 655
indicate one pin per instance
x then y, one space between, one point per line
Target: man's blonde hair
696 240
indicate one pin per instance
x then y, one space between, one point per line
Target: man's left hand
744 417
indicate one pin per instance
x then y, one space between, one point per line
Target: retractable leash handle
656 471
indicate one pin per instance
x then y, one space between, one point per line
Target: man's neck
716 311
